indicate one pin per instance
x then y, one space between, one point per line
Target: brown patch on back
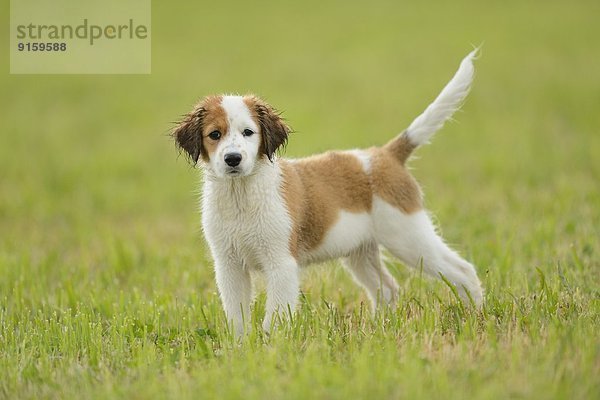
392 181
315 189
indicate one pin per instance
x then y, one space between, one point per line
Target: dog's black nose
233 159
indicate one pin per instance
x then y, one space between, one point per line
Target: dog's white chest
249 220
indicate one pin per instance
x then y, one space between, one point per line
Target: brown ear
273 129
188 134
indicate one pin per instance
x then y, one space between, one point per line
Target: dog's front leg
283 287
235 288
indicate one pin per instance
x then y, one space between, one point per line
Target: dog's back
318 190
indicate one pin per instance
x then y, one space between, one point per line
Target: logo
86 37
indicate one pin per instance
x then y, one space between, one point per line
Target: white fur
413 239
447 103
248 227
233 141
410 237
363 157
349 232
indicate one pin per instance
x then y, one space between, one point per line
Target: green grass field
106 285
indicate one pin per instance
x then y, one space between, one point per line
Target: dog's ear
273 129
188 133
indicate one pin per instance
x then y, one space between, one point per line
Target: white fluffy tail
447 103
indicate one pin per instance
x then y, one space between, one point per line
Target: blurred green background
82 151
83 157
94 200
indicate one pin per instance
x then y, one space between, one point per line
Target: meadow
106 285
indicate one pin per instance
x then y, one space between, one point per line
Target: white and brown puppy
275 215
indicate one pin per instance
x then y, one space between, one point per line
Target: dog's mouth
233 171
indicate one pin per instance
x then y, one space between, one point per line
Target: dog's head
231 134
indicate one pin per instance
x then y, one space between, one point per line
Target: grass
106 287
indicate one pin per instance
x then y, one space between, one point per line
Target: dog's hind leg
413 239
365 266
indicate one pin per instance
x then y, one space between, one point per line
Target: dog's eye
215 135
247 132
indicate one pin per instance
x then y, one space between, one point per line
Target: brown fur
273 129
191 134
316 188
400 147
215 120
392 181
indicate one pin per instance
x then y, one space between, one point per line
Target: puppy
274 215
